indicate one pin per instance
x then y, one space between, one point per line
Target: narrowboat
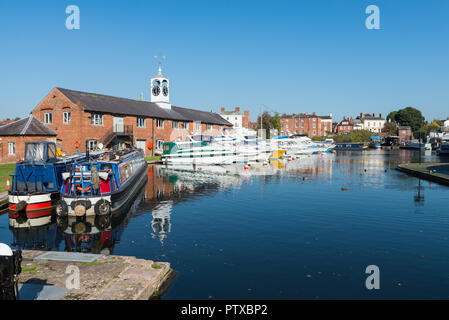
102 186
36 183
351 146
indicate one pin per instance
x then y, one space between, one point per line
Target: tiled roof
94 102
26 127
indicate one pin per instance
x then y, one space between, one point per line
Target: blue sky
292 56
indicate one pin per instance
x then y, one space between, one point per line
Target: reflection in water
293 215
92 234
169 186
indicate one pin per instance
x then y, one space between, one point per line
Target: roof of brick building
94 102
30 126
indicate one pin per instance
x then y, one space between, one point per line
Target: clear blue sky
293 56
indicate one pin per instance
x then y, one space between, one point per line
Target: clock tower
160 90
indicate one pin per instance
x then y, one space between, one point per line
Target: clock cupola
160 90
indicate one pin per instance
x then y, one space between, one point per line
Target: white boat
301 146
199 149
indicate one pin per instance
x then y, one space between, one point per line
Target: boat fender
85 203
81 227
102 221
95 179
80 210
62 223
77 144
102 207
21 205
61 208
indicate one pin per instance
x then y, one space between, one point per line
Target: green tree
410 117
391 116
390 128
355 136
275 122
429 127
266 123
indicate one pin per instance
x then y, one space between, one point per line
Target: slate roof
94 102
30 126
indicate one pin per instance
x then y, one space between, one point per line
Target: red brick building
344 126
311 125
83 118
405 133
14 135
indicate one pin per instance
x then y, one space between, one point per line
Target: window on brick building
185 125
11 148
175 124
198 125
48 117
160 123
97 119
209 127
66 117
159 144
140 122
92 144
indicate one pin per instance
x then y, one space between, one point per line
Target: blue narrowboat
350 146
36 183
103 186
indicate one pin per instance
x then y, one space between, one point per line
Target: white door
118 124
140 144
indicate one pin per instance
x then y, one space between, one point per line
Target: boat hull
117 199
31 210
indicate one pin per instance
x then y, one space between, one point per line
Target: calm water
291 234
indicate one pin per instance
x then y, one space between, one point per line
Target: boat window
51 151
34 152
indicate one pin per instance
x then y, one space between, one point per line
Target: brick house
14 135
344 126
311 125
405 133
90 119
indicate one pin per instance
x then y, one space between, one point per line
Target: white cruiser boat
199 149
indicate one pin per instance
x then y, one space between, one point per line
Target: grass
153 158
31 269
5 170
157 265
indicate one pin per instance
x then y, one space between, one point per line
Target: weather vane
160 58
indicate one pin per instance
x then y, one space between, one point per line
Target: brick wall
311 126
19 141
81 128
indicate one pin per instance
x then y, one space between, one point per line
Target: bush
355 136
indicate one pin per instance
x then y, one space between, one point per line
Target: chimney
222 110
373 115
237 109
380 115
313 113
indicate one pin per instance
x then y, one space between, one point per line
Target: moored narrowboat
36 183
103 186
